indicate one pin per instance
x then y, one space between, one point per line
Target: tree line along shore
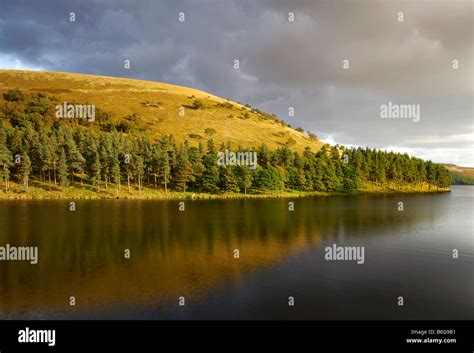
45 157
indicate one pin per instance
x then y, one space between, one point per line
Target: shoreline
72 193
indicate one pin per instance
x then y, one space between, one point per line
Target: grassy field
157 109
38 190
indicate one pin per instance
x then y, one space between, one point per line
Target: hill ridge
156 108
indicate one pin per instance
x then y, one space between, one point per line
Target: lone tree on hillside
197 104
209 131
13 95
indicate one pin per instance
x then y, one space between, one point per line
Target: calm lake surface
190 254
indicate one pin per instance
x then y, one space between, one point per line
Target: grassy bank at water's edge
39 191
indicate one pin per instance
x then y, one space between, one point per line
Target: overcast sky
282 63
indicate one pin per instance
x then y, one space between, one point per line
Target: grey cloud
283 64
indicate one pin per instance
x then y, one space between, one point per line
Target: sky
399 54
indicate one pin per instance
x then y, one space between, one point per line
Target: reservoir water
190 258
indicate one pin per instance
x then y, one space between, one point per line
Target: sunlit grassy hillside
461 175
153 109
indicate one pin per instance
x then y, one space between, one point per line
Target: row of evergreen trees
67 155
62 153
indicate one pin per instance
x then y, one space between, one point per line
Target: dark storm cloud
283 63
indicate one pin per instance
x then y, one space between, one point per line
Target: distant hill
460 175
153 109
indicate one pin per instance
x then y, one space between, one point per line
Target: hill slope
155 108
460 175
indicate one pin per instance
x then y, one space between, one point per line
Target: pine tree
115 171
165 169
75 160
96 171
268 179
349 179
155 163
183 171
25 169
54 149
46 161
284 157
105 159
430 173
380 175
443 177
127 166
332 172
318 184
421 172
63 168
246 178
139 169
16 146
227 179
197 166
309 171
298 175
5 159
210 178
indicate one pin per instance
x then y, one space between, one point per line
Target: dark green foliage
25 169
209 131
13 95
195 136
210 178
197 104
226 105
62 168
183 171
6 159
